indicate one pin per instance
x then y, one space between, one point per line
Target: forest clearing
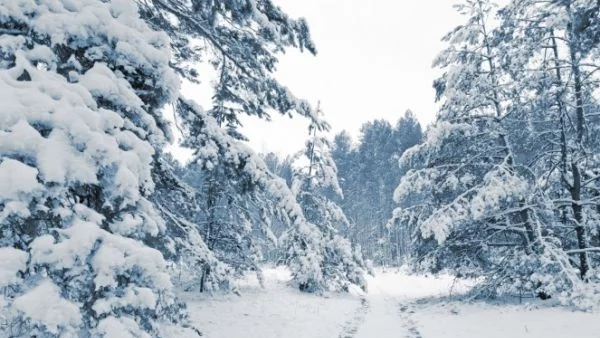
135 204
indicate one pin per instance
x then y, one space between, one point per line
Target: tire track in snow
351 326
405 312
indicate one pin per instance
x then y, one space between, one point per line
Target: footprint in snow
351 326
408 323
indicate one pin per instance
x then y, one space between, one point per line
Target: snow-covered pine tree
245 38
558 44
346 161
499 199
282 167
314 178
242 40
82 84
407 133
465 193
377 175
234 218
368 174
216 147
183 243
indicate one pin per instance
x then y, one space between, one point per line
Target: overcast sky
374 61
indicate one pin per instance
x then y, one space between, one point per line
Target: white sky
374 61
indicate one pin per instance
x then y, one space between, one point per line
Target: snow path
390 296
382 321
393 308
350 327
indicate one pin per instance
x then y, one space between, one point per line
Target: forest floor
397 305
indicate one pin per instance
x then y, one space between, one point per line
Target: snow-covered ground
276 311
393 308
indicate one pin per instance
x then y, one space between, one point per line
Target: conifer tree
83 84
332 263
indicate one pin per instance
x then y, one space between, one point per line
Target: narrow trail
392 309
352 325
383 321
405 312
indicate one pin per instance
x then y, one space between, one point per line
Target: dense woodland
100 224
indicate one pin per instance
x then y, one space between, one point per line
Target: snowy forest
106 233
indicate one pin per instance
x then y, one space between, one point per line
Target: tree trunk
579 221
523 215
574 187
580 125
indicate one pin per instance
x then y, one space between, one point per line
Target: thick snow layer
11 262
124 327
397 305
276 311
44 305
495 321
16 179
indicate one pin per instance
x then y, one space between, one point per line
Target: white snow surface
398 305
276 311
11 262
44 305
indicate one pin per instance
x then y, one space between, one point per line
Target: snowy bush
82 84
